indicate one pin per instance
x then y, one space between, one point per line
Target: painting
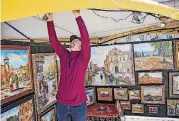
173 107
114 67
19 111
120 93
137 108
177 55
126 105
58 68
153 56
174 84
91 96
45 77
150 77
153 94
134 94
48 115
16 80
105 94
153 109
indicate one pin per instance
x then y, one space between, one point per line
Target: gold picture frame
134 94
137 108
105 94
121 93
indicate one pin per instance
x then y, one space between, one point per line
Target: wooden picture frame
134 94
172 107
121 93
173 85
177 54
91 96
16 74
154 77
105 94
48 115
22 110
45 78
154 93
138 108
126 105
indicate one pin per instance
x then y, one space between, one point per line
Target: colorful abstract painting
15 73
45 77
111 65
153 56
49 115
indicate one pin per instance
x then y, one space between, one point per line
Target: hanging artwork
105 94
120 93
153 94
150 77
45 77
173 107
153 56
134 94
113 67
137 108
91 96
48 115
177 54
16 80
153 109
174 84
19 111
126 105
58 68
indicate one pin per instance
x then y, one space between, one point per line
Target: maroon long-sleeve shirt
71 89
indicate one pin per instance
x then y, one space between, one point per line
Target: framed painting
150 77
58 68
134 94
126 105
177 55
153 109
174 84
45 77
23 110
16 76
153 94
91 96
105 94
120 93
112 68
48 115
137 108
153 56
173 107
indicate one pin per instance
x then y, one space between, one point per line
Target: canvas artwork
113 67
120 93
137 108
174 84
153 109
45 77
173 107
16 78
153 56
177 54
91 96
126 105
21 112
150 77
153 94
49 115
105 94
134 94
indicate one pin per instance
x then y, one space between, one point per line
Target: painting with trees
16 78
153 56
45 77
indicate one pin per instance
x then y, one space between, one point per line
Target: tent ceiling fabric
16 9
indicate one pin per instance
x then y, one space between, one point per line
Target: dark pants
71 113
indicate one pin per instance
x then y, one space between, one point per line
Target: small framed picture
172 107
153 109
91 96
120 93
137 108
174 84
48 115
105 94
126 105
134 94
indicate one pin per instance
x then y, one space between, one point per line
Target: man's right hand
50 16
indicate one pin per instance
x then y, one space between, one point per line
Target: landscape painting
111 65
177 54
105 94
153 56
45 77
153 94
126 105
91 96
174 84
173 107
150 77
49 115
137 108
21 112
16 78
134 94
120 93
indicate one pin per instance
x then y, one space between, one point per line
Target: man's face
75 45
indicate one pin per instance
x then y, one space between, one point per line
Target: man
71 96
